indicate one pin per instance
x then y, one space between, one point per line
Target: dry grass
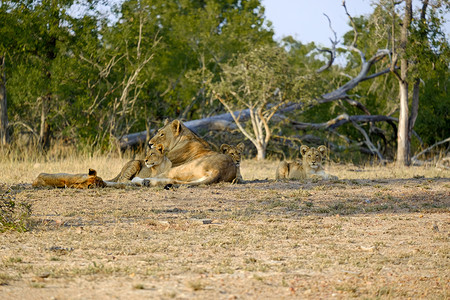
378 232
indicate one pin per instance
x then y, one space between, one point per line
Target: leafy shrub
13 215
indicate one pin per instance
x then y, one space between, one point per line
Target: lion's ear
304 149
176 127
160 148
166 121
92 172
224 148
240 147
322 149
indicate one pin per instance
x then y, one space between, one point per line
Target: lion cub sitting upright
235 152
155 163
310 167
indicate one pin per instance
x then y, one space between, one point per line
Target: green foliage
93 79
433 121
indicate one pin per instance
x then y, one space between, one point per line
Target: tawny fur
155 163
235 152
193 161
64 180
310 167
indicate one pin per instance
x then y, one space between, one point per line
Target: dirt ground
371 234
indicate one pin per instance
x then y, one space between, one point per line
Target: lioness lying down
235 152
64 180
310 167
155 163
193 161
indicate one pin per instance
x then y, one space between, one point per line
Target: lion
155 163
193 160
235 153
310 167
64 180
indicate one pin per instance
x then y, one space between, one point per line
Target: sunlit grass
23 165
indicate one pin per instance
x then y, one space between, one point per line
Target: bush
13 215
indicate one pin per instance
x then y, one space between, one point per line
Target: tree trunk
261 152
44 132
414 111
402 134
4 138
403 158
415 95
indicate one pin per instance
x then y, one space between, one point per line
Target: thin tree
259 82
4 138
414 49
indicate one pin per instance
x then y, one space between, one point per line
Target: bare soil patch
371 234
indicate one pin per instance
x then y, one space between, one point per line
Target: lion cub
63 180
310 167
155 163
235 152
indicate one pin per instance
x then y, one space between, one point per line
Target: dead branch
341 92
415 157
355 37
332 52
368 141
341 120
358 105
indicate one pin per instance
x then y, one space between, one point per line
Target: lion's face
235 152
93 180
155 156
312 157
166 135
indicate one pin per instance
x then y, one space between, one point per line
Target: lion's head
179 142
234 151
155 156
93 181
167 135
312 157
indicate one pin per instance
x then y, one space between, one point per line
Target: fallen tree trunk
215 123
225 122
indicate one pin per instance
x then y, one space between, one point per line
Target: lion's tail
202 180
115 179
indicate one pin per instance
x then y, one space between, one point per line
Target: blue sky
304 19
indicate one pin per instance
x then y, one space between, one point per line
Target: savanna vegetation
72 74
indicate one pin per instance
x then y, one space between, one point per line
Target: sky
304 19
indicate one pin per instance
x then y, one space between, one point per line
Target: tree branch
368 141
355 37
332 52
447 140
235 119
